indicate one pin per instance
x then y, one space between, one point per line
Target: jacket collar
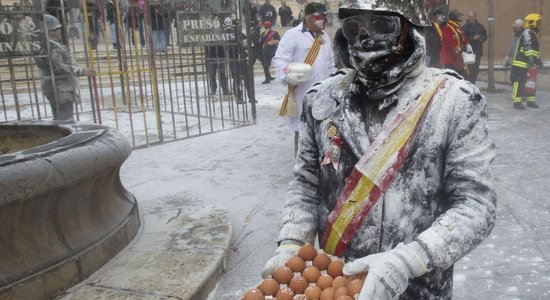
347 117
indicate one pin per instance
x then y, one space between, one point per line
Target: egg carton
310 274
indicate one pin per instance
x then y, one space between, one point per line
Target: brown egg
354 287
298 284
284 294
321 261
339 281
324 281
341 291
311 274
313 292
300 297
254 294
269 287
296 264
307 252
351 278
282 275
345 297
335 268
327 294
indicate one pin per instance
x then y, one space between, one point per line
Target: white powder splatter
459 277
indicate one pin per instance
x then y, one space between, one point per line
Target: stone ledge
179 253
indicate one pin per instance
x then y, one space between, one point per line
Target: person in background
239 67
526 56
285 13
394 167
215 64
252 11
61 89
433 38
93 23
269 40
134 20
517 28
170 14
111 13
477 35
60 10
255 43
294 48
454 41
268 13
158 21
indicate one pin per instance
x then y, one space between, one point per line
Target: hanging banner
21 33
206 28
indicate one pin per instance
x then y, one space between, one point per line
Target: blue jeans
159 43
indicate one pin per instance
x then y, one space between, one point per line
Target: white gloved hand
295 78
469 48
297 73
282 254
506 61
389 272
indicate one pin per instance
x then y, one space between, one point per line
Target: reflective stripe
531 99
531 53
521 64
515 97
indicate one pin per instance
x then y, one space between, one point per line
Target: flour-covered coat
63 66
443 196
294 47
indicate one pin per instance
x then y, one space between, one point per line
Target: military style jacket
63 66
442 197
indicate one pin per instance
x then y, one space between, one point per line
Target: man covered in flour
58 71
394 166
293 50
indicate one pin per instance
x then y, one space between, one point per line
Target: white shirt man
294 47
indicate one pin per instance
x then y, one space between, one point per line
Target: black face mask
372 41
382 67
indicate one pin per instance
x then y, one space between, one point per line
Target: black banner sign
21 33
206 28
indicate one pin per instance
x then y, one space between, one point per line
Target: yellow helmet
531 20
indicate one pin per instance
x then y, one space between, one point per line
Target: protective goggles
368 26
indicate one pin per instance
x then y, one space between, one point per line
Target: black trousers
473 70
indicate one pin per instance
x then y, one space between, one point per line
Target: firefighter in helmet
526 55
402 204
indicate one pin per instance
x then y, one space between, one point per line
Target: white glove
506 61
297 73
469 48
389 272
295 78
282 254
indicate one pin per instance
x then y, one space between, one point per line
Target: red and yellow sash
438 29
373 173
310 59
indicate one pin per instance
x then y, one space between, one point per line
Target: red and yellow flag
372 175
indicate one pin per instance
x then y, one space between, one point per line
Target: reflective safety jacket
527 50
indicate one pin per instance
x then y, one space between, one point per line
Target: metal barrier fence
151 93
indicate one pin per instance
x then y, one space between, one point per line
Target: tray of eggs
311 274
